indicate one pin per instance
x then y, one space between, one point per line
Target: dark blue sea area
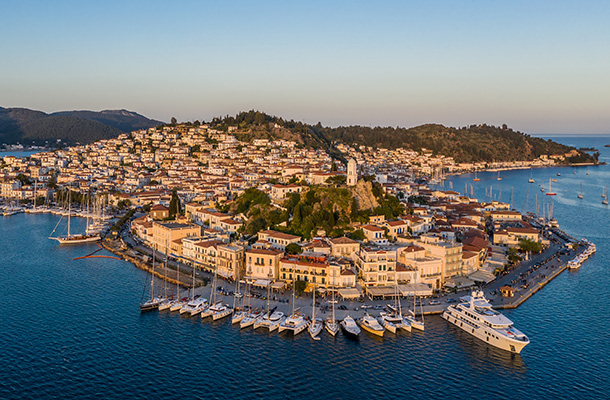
72 329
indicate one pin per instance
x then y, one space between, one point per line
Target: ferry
476 317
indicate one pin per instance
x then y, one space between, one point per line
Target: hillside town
441 240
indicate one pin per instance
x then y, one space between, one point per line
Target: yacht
387 320
315 325
178 304
331 322
370 325
221 311
476 317
350 328
193 307
249 319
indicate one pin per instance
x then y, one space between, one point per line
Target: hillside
466 144
334 209
36 127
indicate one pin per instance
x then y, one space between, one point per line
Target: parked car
342 307
434 302
451 300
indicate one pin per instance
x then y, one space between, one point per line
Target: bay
72 329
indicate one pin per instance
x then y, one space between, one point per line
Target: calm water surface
72 329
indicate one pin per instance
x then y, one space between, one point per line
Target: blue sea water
72 329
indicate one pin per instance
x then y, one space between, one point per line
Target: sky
538 66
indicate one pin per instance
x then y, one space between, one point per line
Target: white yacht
476 317
350 328
371 325
221 311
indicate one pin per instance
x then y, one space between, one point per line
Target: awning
381 291
261 282
278 285
482 276
459 283
415 289
349 293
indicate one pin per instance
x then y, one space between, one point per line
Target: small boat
558 174
153 302
531 179
370 325
476 178
416 323
550 193
580 196
350 328
499 177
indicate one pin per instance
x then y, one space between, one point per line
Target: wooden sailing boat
70 238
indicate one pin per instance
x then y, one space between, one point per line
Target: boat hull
513 346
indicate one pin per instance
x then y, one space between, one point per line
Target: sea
72 329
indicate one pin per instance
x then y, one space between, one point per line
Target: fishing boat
350 328
370 325
315 325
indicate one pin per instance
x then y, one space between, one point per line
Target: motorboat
350 328
370 325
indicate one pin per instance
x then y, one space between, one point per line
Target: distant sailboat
605 195
531 179
476 178
499 177
580 196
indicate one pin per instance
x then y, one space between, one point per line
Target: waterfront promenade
526 278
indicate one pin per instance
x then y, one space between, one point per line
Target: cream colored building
263 263
164 233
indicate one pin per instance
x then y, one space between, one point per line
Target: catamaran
272 318
295 323
394 320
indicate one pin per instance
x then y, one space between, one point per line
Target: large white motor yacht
476 317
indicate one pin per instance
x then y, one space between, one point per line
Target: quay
526 279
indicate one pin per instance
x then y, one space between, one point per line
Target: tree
174 204
23 179
357 235
174 121
294 248
299 286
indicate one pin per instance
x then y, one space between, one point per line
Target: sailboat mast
152 278
69 209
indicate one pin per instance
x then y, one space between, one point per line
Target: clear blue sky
538 66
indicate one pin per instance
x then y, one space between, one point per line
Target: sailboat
239 312
152 303
217 310
531 179
272 318
331 322
499 177
251 317
550 193
580 196
196 304
34 209
603 194
605 200
476 178
315 325
70 238
415 323
295 323
167 301
179 302
394 320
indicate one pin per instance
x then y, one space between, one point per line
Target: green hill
466 144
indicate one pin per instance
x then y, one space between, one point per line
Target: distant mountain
25 126
125 121
465 144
